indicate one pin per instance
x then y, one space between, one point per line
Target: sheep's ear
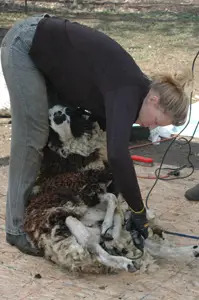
69 111
66 110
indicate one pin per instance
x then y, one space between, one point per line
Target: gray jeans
29 109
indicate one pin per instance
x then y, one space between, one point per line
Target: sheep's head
76 132
68 122
60 122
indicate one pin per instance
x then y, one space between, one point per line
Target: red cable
146 144
151 143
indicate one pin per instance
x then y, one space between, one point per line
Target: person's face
151 114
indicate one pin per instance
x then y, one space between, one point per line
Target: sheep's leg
80 231
111 201
171 252
117 262
117 225
88 241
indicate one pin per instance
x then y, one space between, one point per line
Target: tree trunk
26 6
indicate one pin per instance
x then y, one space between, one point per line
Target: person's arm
122 107
121 111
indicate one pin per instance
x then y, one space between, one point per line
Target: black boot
21 242
193 193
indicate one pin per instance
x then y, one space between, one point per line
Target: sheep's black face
59 117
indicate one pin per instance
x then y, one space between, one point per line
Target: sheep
74 214
73 211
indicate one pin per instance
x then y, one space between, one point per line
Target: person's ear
154 99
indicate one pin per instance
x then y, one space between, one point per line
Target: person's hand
137 225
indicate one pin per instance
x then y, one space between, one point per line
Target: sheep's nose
59 117
58 113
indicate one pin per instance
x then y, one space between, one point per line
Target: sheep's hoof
107 236
132 268
158 230
196 251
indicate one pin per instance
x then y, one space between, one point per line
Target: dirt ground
19 273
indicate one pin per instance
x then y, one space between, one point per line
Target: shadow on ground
4 161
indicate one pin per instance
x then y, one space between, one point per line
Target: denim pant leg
29 110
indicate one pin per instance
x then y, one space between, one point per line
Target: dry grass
157 39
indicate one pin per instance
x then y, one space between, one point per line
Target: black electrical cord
157 173
176 171
158 170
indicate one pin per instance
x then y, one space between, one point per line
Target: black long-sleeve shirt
90 70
